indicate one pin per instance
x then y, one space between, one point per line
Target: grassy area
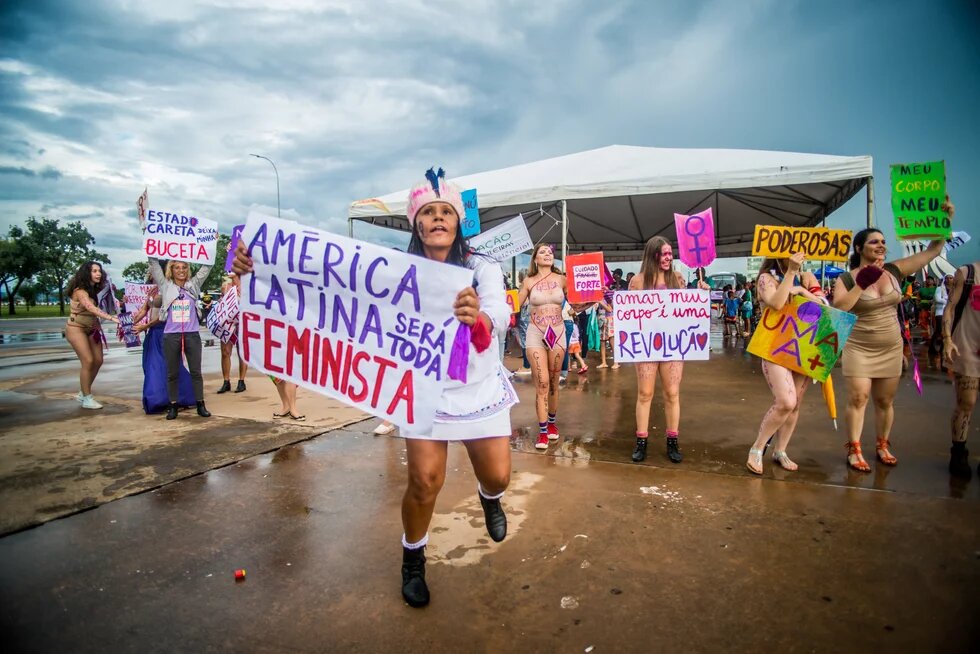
35 312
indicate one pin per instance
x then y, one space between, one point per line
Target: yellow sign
817 243
513 301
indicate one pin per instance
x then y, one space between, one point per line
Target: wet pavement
601 553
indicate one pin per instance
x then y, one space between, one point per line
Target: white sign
223 317
672 324
958 239
135 296
371 327
180 237
504 241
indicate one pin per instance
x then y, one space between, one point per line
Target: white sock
479 489
415 546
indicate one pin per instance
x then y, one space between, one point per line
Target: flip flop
280 415
298 418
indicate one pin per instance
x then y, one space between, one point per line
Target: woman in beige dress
872 358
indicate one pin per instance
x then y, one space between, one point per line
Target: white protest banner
504 241
670 324
180 237
371 327
135 296
223 317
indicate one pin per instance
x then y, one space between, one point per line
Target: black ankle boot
673 451
203 410
414 590
225 387
640 450
241 386
959 462
496 520
172 411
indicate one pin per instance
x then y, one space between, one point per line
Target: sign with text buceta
672 324
366 325
504 241
180 237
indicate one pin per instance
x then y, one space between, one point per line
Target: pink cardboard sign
695 238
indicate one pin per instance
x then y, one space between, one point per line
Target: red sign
586 281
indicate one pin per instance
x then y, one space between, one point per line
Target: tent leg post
350 227
513 273
871 201
564 232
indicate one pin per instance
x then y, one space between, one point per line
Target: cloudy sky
99 98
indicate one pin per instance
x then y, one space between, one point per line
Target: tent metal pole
564 232
871 201
513 273
350 227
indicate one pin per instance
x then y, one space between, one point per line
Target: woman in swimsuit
83 331
544 289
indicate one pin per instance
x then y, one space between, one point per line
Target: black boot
203 410
959 461
640 450
225 387
241 386
414 590
495 518
172 411
673 451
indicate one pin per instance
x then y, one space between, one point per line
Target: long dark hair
651 265
770 264
82 279
859 240
459 251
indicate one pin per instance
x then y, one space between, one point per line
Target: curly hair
82 279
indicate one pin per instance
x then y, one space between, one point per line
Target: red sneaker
552 431
542 443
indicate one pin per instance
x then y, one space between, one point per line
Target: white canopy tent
615 198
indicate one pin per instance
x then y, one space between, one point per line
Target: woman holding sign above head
179 293
779 280
872 358
544 291
657 272
83 331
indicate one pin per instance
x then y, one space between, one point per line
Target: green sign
918 192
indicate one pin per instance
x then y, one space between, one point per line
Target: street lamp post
259 156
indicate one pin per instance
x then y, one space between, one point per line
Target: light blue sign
471 221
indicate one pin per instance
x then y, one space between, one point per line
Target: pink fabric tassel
459 356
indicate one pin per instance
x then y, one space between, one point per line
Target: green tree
62 251
136 272
28 293
19 261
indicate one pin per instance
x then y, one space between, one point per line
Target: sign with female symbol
696 238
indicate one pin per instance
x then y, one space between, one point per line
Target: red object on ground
240 574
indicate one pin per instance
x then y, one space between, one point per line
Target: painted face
96 273
874 247
666 257
437 224
545 256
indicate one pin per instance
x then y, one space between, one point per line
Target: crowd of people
552 334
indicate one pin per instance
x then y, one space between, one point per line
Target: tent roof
620 196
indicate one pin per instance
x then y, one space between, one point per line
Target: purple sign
236 234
